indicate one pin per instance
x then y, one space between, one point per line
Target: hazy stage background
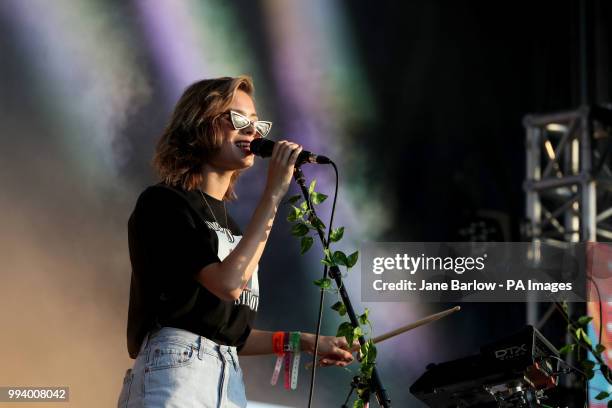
420 103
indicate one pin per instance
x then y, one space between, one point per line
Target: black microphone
263 148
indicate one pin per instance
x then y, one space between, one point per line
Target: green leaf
336 234
367 352
568 348
340 308
357 331
317 198
299 230
364 351
339 258
363 319
359 403
589 373
317 223
584 320
295 214
372 354
600 348
588 364
366 370
324 283
306 244
311 188
581 334
327 260
294 199
304 206
346 330
352 259
602 395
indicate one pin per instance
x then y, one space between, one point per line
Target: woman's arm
332 350
258 342
228 278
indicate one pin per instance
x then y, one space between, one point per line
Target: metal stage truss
569 180
568 184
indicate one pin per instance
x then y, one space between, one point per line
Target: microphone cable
322 296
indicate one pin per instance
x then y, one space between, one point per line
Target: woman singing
194 291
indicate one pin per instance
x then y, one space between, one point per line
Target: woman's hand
280 167
333 351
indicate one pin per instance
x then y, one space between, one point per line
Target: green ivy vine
304 223
581 342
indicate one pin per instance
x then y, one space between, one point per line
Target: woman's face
234 153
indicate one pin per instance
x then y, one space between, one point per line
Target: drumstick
414 325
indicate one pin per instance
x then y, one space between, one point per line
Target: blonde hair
194 134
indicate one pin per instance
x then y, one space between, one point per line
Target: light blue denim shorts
177 368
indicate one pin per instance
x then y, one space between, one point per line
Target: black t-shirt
172 235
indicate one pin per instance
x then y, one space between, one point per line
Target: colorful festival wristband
278 340
287 349
295 345
278 343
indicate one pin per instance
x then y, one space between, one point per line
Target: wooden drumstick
414 325
408 327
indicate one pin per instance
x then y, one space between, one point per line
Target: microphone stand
334 272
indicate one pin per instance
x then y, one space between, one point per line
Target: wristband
287 349
278 340
295 345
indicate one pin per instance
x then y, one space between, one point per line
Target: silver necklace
228 233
